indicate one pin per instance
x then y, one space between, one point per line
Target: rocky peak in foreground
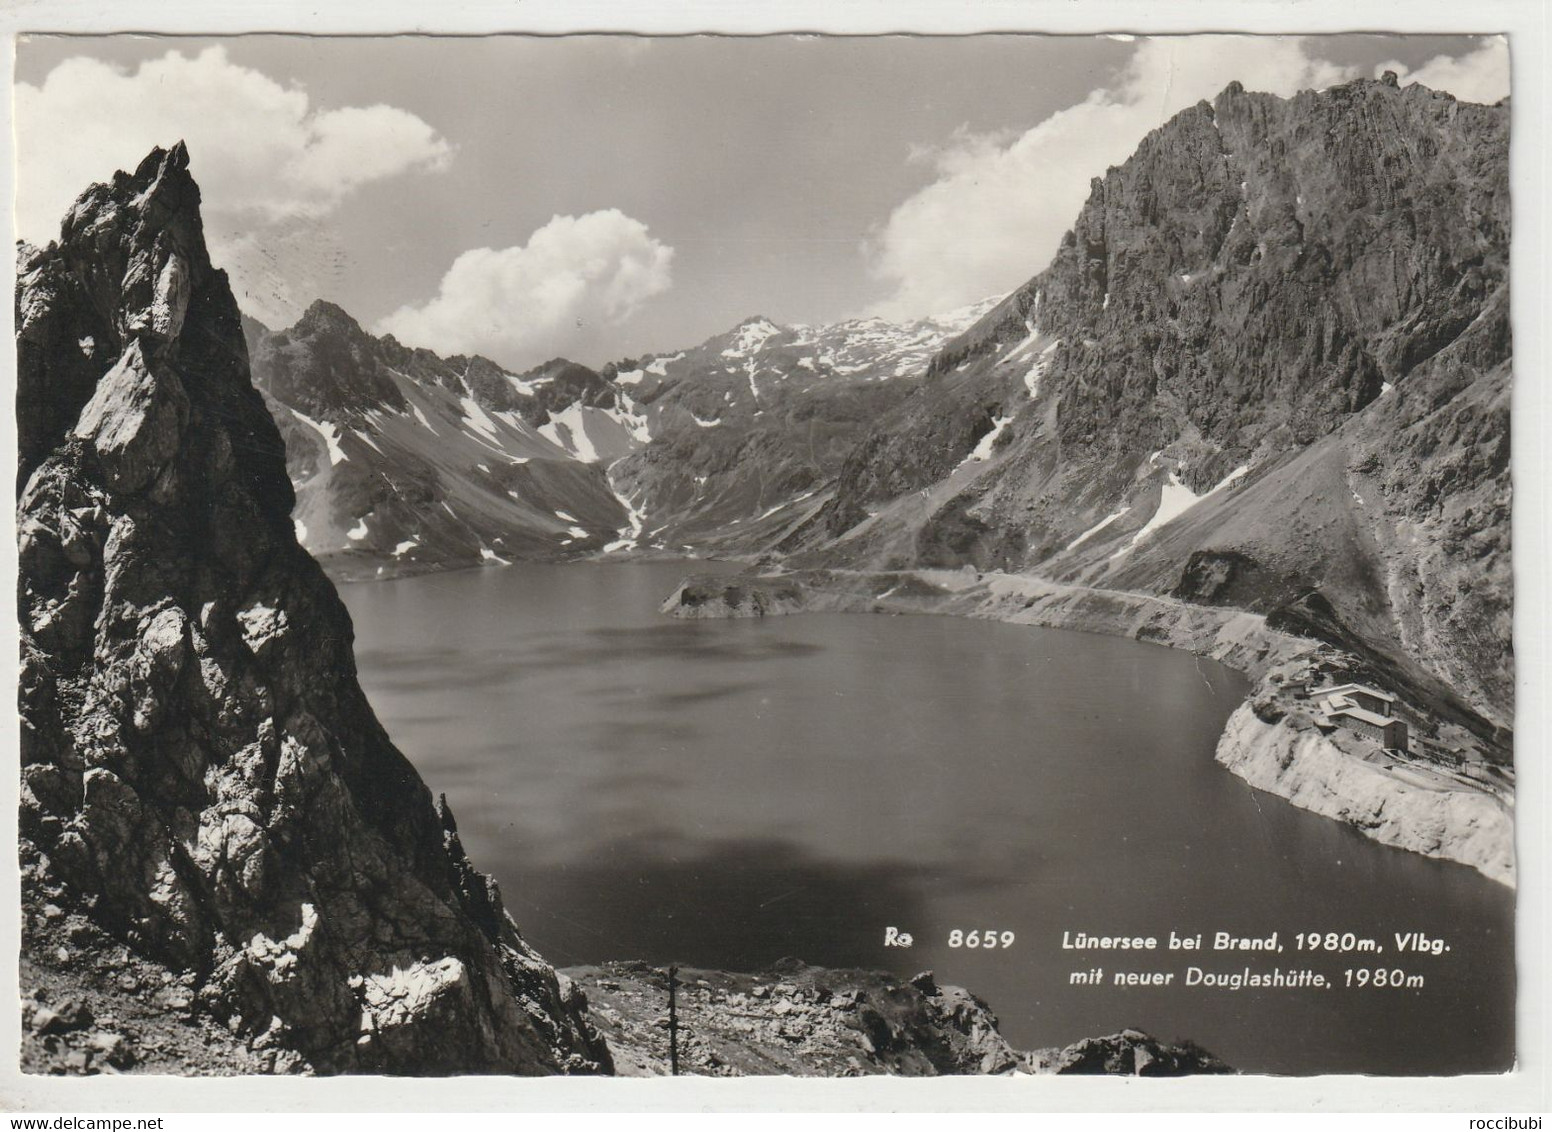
202 776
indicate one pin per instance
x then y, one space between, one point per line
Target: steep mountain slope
403 460
406 460
202 776
1270 360
750 428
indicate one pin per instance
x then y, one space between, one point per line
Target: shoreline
350 568
1448 809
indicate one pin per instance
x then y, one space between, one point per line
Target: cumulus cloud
264 156
258 147
567 291
997 210
1481 76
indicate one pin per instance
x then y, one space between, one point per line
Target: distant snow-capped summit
406 460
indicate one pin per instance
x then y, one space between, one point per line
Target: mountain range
406 461
1268 367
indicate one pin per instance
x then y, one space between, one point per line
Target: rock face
1271 357
202 776
749 429
1132 1053
809 1021
1392 804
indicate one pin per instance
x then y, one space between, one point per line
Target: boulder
135 420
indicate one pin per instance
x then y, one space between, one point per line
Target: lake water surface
726 793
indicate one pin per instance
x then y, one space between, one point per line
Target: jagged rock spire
202 774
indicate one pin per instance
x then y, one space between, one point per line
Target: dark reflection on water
728 793
697 640
620 735
735 905
673 701
676 641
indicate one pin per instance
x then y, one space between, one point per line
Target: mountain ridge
405 460
1261 277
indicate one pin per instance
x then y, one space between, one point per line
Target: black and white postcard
792 555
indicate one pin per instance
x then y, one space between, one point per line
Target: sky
601 197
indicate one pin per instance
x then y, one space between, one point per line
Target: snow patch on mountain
783 505
1095 529
573 422
983 450
421 417
474 417
963 318
1022 344
751 336
329 432
628 415
526 387
636 519
1175 499
659 366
